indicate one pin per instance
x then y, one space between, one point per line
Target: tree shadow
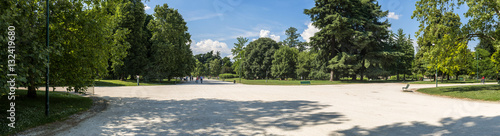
140 116
465 126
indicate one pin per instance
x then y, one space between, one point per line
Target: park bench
406 88
305 82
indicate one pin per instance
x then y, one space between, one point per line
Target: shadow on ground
466 126
139 116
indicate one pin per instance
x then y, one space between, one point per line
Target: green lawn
452 82
477 92
132 83
30 113
297 82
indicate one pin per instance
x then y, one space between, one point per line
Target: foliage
258 58
292 39
238 53
171 44
342 41
284 62
228 75
215 67
304 64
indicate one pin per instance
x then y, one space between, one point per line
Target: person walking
482 80
201 79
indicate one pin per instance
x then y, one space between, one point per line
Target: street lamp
48 61
436 75
477 63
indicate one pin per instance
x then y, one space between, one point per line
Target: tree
227 64
171 44
304 64
238 53
483 17
133 18
215 67
80 44
292 39
284 62
440 32
258 57
342 41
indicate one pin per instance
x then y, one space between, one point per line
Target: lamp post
48 61
477 64
436 75
241 66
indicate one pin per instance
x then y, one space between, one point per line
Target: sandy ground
217 108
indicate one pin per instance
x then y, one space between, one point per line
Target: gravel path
222 108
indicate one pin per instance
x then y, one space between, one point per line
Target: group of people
190 78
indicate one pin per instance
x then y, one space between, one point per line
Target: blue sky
215 24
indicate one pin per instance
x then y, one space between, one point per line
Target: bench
406 88
305 82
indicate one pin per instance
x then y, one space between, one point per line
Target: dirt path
217 108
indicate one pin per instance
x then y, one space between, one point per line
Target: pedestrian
201 79
198 77
482 80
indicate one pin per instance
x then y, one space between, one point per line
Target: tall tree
292 39
238 53
132 18
343 41
440 31
171 44
483 18
258 57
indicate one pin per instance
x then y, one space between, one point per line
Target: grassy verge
297 82
30 112
452 82
477 92
132 83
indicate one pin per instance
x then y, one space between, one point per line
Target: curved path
221 108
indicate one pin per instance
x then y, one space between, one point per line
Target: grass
30 112
132 83
476 92
452 82
297 82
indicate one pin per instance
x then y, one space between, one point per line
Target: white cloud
393 15
266 33
253 39
209 45
309 32
146 7
208 16
275 37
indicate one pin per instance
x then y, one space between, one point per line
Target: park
321 67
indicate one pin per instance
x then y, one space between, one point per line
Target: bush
228 75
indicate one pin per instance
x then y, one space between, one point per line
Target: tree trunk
362 69
442 78
448 77
353 77
31 90
397 75
404 77
169 77
331 75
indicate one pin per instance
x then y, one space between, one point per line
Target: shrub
228 75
